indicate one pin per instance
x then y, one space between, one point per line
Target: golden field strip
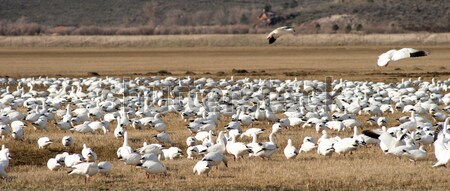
367 168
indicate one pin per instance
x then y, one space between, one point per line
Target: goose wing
383 59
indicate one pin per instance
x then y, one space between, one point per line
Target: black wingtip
370 134
272 40
419 53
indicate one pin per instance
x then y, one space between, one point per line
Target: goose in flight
394 55
280 31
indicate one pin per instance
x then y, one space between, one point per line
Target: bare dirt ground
367 168
352 62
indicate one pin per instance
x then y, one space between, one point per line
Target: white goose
249 132
290 151
125 149
119 130
17 130
268 148
308 145
86 169
104 167
67 141
394 55
202 167
170 153
280 31
4 161
163 137
150 148
41 123
71 160
152 167
53 164
43 142
88 154
215 158
416 154
220 146
237 149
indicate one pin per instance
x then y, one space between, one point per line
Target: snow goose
344 146
86 169
163 137
119 131
99 125
61 157
44 142
82 128
394 55
170 153
268 148
441 151
325 147
220 145
325 144
73 159
17 130
387 140
308 145
4 130
152 167
335 125
104 167
290 151
202 135
150 148
249 132
41 123
67 141
64 125
125 149
410 125
191 152
88 154
276 128
237 149
202 167
363 139
132 158
191 141
53 164
4 161
349 123
215 158
425 137
416 154
280 31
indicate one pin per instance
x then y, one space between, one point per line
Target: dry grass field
367 168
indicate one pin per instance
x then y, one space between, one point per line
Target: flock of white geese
98 105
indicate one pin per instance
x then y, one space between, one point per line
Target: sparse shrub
239 71
348 28
93 74
189 73
359 27
335 28
163 72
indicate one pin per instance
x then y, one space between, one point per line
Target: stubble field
366 168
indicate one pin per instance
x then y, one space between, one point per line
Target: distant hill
127 17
